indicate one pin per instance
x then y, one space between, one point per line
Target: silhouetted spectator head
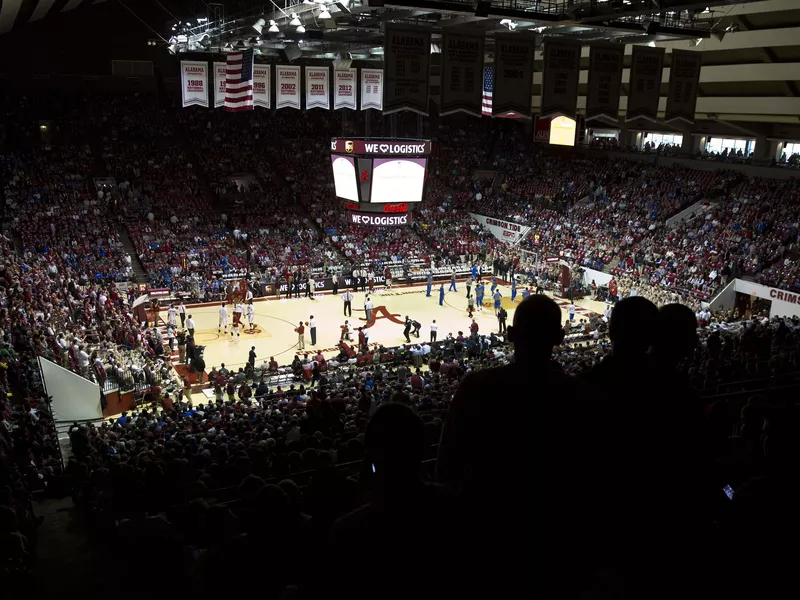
536 329
677 332
395 441
400 397
633 325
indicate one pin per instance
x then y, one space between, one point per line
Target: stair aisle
139 274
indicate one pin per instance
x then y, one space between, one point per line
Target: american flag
239 82
488 85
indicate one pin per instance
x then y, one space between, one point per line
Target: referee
348 303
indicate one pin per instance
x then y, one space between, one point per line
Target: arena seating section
208 193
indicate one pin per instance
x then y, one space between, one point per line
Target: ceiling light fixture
300 29
273 27
259 25
325 14
295 22
512 25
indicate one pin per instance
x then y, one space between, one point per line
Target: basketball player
223 319
387 275
235 329
237 319
497 297
172 316
251 314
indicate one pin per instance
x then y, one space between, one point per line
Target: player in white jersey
172 316
223 319
251 314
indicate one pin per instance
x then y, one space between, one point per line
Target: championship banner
505 231
344 89
378 219
684 82
462 74
562 67
605 82
372 89
194 83
287 85
644 89
513 75
317 88
407 56
220 75
262 86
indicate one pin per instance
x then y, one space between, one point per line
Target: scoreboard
377 175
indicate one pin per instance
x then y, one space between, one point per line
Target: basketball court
275 321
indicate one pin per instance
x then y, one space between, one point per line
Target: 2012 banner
287 87
317 90
344 88
262 85
194 83
407 56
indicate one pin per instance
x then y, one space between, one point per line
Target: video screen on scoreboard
344 177
398 179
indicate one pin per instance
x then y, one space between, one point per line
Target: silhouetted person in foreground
646 460
512 443
381 550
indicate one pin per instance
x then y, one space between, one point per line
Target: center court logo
380 312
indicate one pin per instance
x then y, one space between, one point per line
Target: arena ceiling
751 50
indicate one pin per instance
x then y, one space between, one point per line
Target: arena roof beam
748 8
672 6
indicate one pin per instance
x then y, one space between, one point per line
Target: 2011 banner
605 81
317 90
372 89
513 75
462 73
220 75
194 83
407 56
562 66
684 82
262 86
647 66
287 87
344 89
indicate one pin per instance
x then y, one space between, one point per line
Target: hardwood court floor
276 319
